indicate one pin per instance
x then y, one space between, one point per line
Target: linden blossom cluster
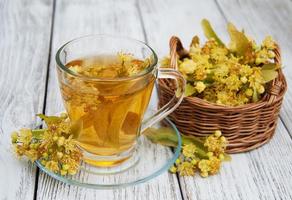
199 154
205 159
54 146
233 75
122 65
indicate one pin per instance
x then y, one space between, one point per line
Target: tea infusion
110 112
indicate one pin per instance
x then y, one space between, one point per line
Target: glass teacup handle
168 108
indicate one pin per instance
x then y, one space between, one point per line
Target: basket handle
177 51
277 86
277 58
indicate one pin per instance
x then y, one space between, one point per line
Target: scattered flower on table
202 155
53 146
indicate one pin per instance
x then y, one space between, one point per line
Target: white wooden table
32 30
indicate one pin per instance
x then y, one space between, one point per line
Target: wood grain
163 19
24 47
77 18
261 18
259 174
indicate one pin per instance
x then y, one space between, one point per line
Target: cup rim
61 66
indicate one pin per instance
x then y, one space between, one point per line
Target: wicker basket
246 127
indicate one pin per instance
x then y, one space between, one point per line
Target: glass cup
110 111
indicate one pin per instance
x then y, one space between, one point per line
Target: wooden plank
24 46
77 18
260 18
259 174
263 17
163 19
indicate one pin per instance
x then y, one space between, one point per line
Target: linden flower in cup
106 84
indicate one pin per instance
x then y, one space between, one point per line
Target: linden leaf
239 43
190 139
269 75
49 119
269 72
76 128
101 122
167 137
209 32
38 133
189 90
164 136
270 66
209 79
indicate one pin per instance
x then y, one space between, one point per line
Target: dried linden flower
189 150
204 165
228 76
203 155
214 164
173 169
53 146
188 66
200 86
123 65
269 43
165 62
186 169
216 144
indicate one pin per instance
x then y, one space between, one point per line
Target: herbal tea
109 112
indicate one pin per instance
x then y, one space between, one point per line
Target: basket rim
176 48
213 106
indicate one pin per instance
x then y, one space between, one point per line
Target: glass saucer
154 159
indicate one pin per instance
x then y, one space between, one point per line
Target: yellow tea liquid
109 112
